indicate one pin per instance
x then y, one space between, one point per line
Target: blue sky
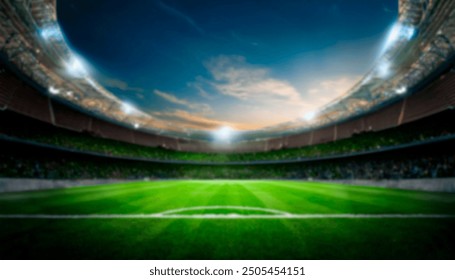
247 64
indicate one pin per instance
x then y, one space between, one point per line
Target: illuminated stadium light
398 32
69 93
224 134
383 69
128 108
394 34
51 32
136 125
75 67
54 90
408 32
401 90
310 116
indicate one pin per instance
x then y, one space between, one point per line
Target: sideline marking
265 210
227 216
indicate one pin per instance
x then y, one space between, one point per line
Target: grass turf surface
201 238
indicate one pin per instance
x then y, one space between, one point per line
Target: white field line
227 207
227 216
269 214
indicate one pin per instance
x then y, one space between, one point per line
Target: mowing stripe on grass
227 216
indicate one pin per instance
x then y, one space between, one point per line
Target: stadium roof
420 39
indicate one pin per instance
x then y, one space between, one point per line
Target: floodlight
401 90
407 32
398 32
76 67
310 116
50 31
383 69
136 125
127 108
394 34
54 90
224 134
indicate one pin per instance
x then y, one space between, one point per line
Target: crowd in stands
416 132
69 167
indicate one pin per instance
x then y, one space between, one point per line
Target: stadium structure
394 128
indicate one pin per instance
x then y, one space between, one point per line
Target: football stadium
227 130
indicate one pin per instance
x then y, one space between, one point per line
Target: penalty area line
227 216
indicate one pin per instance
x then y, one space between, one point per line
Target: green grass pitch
227 219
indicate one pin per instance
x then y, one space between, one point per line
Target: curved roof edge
423 39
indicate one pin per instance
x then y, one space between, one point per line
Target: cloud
273 116
119 84
198 86
173 11
187 120
324 91
190 120
202 93
200 107
258 100
233 76
313 97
